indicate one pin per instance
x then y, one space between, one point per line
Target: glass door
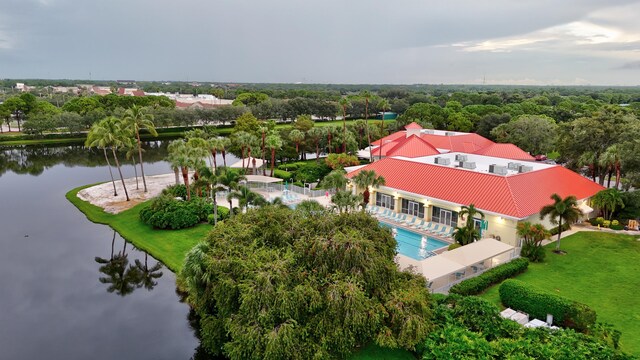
414 208
445 217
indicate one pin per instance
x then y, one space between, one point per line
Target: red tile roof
505 151
391 137
412 147
413 125
517 196
467 143
138 93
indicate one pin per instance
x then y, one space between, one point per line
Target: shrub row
491 277
521 296
223 213
165 212
565 227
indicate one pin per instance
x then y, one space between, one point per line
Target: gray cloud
357 41
634 65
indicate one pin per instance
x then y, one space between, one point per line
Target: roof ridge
513 198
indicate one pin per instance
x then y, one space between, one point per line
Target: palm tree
138 119
224 145
180 158
608 201
121 277
243 141
296 136
264 130
611 159
367 95
212 182
470 212
98 137
335 179
247 197
130 152
274 142
383 105
231 180
315 135
115 135
215 144
465 235
562 210
344 102
344 201
589 159
366 179
199 149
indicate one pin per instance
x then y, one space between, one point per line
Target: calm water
414 245
57 301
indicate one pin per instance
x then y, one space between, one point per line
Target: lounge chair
402 218
418 226
442 232
393 216
449 234
434 229
427 226
460 275
410 223
384 213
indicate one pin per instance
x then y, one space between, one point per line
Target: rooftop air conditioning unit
524 168
497 169
442 161
513 166
468 165
449 133
460 157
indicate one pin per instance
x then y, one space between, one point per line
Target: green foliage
606 223
533 252
472 328
165 212
615 223
565 227
223 213
274 283
453 246
281 174
178 190
480 283
521 296
340 161
311 172
532 133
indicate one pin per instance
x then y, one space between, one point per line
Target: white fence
290 187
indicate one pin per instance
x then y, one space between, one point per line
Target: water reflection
35 159
123 278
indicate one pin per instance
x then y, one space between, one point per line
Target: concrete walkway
586 227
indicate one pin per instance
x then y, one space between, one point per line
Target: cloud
634 65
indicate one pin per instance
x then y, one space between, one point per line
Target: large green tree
366 179
533 133
607 201
275 283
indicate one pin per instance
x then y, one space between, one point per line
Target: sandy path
102 195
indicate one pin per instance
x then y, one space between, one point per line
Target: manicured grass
168 246
601 270
372 352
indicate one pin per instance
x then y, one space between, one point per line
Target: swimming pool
414 245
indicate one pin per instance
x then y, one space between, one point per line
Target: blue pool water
411 244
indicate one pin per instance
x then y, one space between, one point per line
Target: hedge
521 296
282 174
493 276
565 227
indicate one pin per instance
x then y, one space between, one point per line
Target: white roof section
439 266
349 169
481 162
477 252
262 179
249 161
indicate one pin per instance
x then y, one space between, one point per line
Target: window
444 216
384 200
413 208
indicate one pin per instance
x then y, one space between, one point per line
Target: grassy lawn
378 353
601 270
168 246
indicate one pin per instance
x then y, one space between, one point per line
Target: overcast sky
572 42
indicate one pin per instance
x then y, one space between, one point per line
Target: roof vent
524 168
513 166
497 169
468 165
449 133
442 161
460 157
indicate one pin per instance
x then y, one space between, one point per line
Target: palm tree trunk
215 162
366 121
120 171
115 192
224 157
617 175
273 160
176 173
264 170
329 138
609 180
215 209
144 181
230 208
559 233
317 151
185 178
135 171
242 150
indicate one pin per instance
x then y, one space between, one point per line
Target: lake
66 289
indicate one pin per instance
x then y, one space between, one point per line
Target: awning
248 163
438 266
586 209
262 179
477 252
